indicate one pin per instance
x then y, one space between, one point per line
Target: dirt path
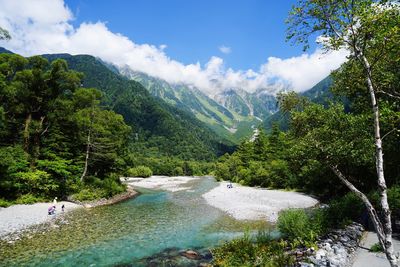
365 258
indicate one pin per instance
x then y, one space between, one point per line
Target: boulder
191 254
337 248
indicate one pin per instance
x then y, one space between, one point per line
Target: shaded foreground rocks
199 257
336 249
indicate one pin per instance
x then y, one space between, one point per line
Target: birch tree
368 30
104 133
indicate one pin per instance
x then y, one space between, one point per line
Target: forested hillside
159 129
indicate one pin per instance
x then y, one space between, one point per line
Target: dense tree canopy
45 117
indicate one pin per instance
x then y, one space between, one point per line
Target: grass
376 248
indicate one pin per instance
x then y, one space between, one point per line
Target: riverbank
128 194
167 183
250 203
240 202
17 218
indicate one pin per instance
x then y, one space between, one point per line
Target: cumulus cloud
304 71
44 26
225 49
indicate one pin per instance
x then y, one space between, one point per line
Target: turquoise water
126 232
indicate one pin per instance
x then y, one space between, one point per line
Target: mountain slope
232 114
159 128
260 104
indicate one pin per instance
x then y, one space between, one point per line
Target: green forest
48 122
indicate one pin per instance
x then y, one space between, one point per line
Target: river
128 233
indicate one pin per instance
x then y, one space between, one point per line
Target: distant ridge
3 50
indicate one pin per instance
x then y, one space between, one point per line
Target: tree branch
394 129
388 94
371 210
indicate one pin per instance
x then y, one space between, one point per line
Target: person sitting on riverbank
51 210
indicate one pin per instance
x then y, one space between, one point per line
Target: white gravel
172 184
249 203
18 217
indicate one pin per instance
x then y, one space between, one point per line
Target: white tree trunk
387 225
370 208
88 144
87 156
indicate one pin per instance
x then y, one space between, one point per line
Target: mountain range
169 116
233 113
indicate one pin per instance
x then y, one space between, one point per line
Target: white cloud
44 26
304 71
225 49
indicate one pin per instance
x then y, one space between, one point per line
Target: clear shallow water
126 232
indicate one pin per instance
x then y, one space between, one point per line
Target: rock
190 254
321 253
306 264
206 255
299 254
336 248
344 239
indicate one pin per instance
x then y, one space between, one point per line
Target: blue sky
193 30
212 45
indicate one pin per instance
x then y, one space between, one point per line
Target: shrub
319 222
28 199
376 247
37 182
244 251
238 252
139 171
295 224
88 194
178 171
5 203
95 188
344 210
222 172
113 186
